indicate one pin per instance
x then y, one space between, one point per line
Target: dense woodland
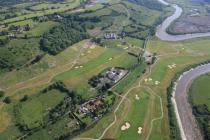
152 4
202 115
63 36
13 2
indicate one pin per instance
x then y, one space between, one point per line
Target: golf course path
161 32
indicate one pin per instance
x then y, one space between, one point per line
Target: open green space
199 96
38 106
136 116
75 60
200 91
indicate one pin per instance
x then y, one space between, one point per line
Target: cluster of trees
60 37
101 85
60 86
151 4
14 2
7 99
174 128
202 114
16 28
5 64
66 107
4 41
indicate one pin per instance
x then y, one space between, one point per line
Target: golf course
100 69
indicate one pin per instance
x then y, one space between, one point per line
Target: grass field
200 91
167 52
199 99
136 116
78 76
130 78
62 8
38 106
78 63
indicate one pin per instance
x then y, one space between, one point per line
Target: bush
1 94
25 97
7 100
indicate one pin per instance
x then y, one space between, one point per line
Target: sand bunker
110 59
145 80
139 130
125 126
92 47
150 79
157 82
137 97
125 48
78 67
172 66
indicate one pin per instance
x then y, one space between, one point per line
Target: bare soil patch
190 24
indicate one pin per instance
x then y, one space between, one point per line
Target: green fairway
135 117
78 76
90 65
130 78
53 52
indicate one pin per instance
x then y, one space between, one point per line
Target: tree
7 100
25 97
1 94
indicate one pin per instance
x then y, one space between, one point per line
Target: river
161 32
186 120
188 126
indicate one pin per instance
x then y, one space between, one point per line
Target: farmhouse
21 29
90 106
110 35
104 81
42 18
93 2
115 74
11 35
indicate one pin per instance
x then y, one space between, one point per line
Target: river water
187 122
161 32
189 129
